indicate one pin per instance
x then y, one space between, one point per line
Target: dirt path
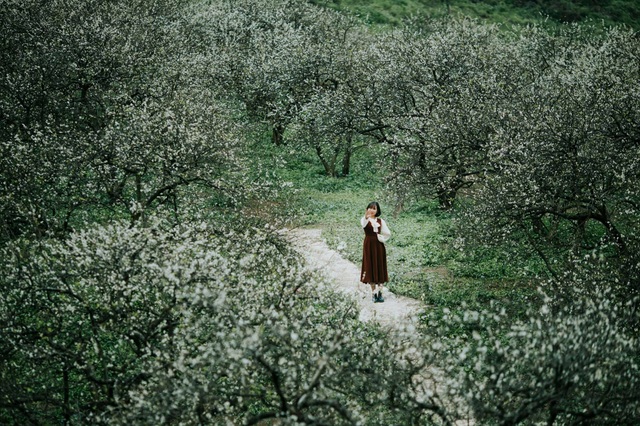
396 311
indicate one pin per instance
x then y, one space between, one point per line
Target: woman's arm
363 221
385 233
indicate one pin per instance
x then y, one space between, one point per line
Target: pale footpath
396 311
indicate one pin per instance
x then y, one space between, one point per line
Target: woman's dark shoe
379 298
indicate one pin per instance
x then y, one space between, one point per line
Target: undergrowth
507 12
423 261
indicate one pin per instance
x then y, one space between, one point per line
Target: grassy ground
422 260
392 12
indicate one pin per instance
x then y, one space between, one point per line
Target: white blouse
381 229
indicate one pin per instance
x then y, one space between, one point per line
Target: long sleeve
374 224
385 233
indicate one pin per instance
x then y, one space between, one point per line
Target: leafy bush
575 364
193 324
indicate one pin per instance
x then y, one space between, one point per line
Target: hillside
392 12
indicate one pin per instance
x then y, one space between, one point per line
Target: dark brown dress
374 258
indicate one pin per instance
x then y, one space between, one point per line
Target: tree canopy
139 285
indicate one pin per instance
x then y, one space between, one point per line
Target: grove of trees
137 287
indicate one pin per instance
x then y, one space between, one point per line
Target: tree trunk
277 134
329 165
539 227
446 197
580 233
139 212
346 160
399 207
65 391
616 236
613 232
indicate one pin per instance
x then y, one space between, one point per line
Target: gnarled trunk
346 159
329 163
277 134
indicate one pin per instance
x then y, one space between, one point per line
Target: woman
374 254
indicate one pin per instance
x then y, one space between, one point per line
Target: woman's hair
377 206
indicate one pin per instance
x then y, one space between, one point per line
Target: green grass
423 262
393 12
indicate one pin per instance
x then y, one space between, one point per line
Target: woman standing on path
374 254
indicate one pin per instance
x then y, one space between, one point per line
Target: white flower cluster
562 366
123 324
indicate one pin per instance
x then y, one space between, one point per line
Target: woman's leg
379 294
373 291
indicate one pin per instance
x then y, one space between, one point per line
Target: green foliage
122 324
107 112
422 261
388 12
543 368
165 145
